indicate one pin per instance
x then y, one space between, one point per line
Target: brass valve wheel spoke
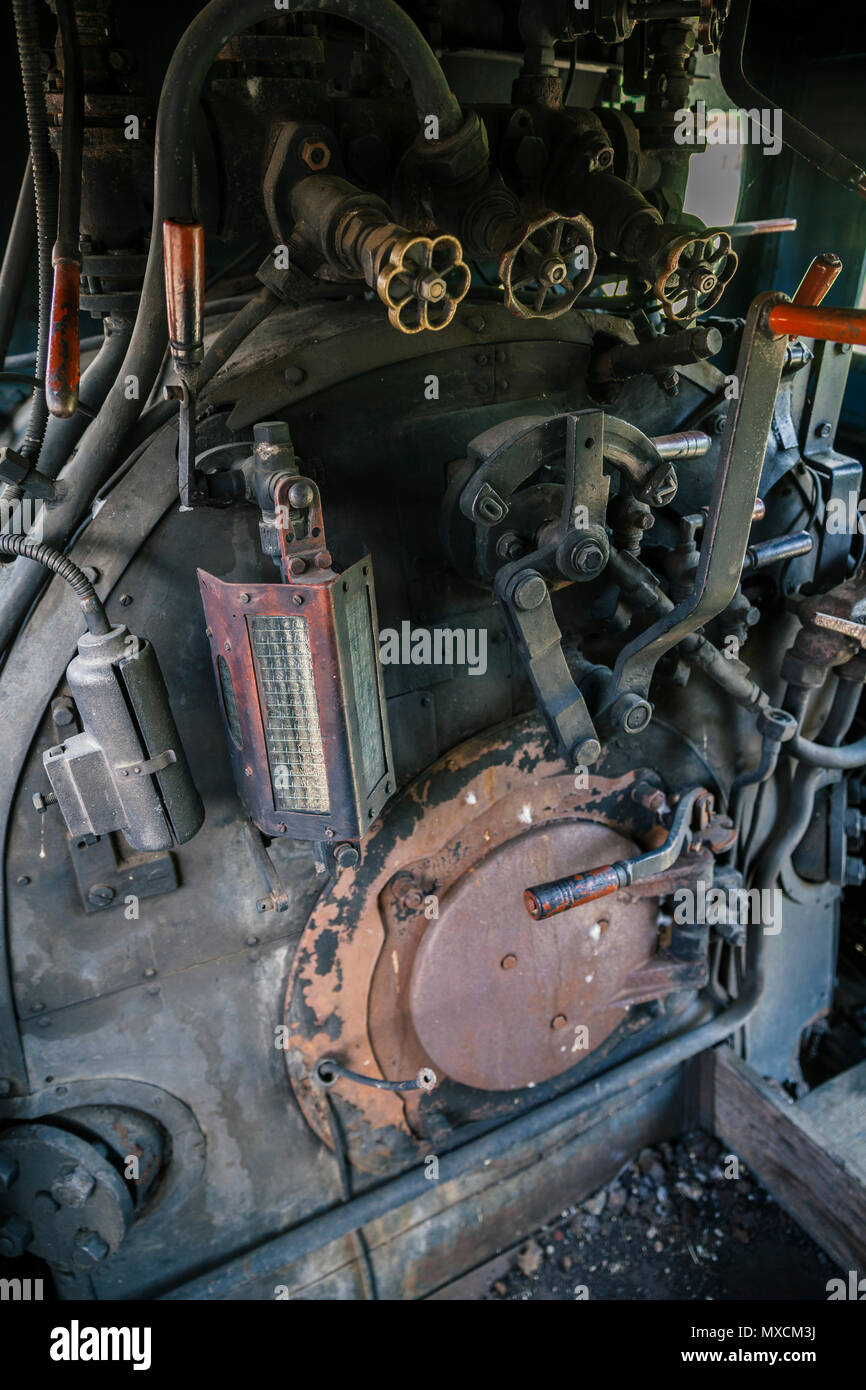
422 281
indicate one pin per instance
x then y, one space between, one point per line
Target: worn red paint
63 369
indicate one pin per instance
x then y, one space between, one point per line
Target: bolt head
587 557
346 856
90 1246
301 495
8 1171
530 592
585 752
15 1235
100 894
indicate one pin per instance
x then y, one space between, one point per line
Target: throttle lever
183 256
561 894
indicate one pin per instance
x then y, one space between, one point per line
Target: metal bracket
104 879
735 490
149 765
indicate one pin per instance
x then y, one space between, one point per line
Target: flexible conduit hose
104 440
94 613
20 582
27 35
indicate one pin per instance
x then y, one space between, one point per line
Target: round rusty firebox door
424 955
499 1001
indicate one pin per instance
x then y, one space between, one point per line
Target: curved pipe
16 259
794 134
846 758
58 563
27 34
63 369
104 440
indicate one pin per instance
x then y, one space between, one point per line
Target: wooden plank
838 1108
791 1156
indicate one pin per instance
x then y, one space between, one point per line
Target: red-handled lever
831 325
183 260
818 279
63 368
563 893
803 318
547 899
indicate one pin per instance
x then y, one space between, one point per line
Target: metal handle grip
547 899
831 325
63 368
183 258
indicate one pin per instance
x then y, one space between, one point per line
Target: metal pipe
16 259
63 367
818 279
796 136
29 52
684 444
765 553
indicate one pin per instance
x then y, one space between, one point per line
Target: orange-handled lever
547 899
805 319
831 325
818 279
183 261
63 368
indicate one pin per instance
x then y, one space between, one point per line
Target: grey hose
20 582
107 437
16 259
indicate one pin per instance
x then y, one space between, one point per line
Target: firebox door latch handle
561 894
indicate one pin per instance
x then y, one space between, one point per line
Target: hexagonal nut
15 1235
90 1246
8 1171
316 155
73 1188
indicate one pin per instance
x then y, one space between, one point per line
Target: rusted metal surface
499 1029
386 986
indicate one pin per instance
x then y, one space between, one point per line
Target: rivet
558 1021
508 962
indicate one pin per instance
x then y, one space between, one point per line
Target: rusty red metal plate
501 807
499 1001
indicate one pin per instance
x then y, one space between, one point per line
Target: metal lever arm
547 899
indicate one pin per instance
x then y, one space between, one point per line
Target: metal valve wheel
692 271
549 267
422 282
